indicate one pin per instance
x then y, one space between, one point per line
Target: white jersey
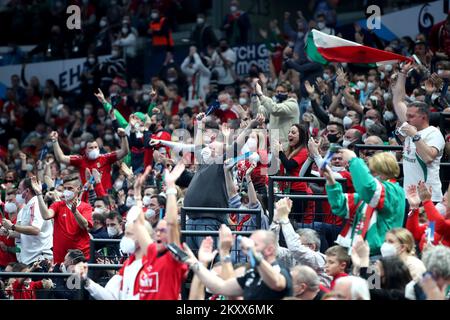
415 169
226 75
118 287
33 247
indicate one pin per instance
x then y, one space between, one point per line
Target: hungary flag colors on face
323 48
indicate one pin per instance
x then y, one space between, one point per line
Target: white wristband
171 191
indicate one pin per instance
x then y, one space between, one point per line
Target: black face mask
281 97
224 48
332 138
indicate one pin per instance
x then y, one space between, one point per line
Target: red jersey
300 158
339 275
102 164
22 291
148 152
160 277
226 115
7 257
67 234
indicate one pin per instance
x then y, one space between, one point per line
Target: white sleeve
435 139
36 219
109 292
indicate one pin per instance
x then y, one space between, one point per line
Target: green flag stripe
312 52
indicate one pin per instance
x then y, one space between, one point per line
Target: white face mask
361 85
10 207
10 146
388 250
381 75
200 20
242 101
233 8
68 195
388 116
93 154
19 199
29 167
370 85
434 96
62 166
440 71
337 169
441 208
325 76
112 231
146 200
103 23
388 67
347 122
320 25
125 31
118 185
155 16
115 53
127 245
386 96
346 143
99 210
224 106
130 201
368 123
146 97
91 60
149 214
109 137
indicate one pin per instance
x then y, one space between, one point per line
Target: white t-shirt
32 247
415 169
225 74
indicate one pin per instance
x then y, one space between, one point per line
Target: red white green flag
324 48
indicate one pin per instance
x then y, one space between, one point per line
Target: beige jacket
281 115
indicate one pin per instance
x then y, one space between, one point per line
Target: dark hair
396 273
76 256
422 107
114 215
303 137
377 130
100 217
161 200
27 185
104 199
339 126
19 267
71 177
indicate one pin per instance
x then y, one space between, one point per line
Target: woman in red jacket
442 223
291 162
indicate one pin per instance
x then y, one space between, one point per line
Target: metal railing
315 198
34 276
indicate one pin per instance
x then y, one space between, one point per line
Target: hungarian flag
323 48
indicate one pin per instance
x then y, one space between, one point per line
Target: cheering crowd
120 160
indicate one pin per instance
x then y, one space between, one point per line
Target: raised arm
206 254
398 93
46 213
142 236
171 207
124 147
59 154
123 123
213 282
